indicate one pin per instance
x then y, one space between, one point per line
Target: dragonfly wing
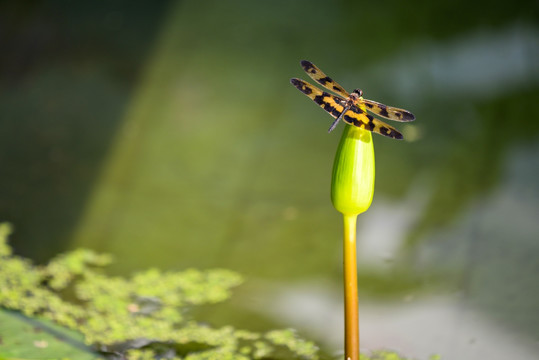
317 75
357 117
334 105
388 112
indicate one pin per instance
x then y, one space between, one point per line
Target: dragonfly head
358 92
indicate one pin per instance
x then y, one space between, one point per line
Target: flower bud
352 183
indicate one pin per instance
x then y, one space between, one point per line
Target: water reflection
415 327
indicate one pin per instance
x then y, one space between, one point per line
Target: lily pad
30 338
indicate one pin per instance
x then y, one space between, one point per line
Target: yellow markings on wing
334 105
357 117
317 75
388 112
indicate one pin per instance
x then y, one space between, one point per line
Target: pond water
169 135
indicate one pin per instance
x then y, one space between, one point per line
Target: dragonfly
350 107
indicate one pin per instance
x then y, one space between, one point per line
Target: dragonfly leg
336 122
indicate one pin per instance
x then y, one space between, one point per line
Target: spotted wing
389 112
333 104
317 75
357 117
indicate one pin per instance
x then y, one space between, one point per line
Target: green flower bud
352 183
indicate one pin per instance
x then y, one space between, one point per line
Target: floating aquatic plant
144 316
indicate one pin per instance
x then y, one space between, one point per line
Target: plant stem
351 313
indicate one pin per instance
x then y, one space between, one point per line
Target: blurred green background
167 133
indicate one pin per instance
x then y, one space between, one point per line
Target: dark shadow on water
67 73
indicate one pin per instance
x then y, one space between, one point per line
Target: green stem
351 306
